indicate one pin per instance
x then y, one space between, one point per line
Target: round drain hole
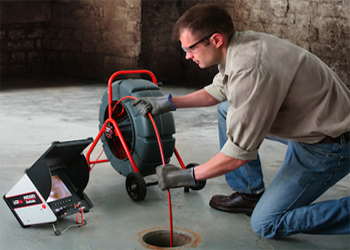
159 238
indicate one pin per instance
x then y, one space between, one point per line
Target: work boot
235 203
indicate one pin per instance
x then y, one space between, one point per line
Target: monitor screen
58 189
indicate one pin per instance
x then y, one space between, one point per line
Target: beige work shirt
280 89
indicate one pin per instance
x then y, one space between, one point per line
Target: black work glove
153 105
171 176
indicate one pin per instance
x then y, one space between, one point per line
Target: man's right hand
153 105
171 176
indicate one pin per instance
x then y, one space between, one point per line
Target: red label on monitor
24 200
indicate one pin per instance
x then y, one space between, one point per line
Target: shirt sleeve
255 96
216 89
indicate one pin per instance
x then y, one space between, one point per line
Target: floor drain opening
160 238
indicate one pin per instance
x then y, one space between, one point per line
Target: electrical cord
77 216
79 224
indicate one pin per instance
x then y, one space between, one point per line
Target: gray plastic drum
137 131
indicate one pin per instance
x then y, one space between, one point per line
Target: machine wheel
136 186
201 183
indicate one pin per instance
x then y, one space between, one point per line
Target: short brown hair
203 20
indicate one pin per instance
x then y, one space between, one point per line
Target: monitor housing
53 187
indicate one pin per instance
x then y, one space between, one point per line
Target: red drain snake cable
168 191
163 161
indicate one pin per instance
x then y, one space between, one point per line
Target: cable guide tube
110 81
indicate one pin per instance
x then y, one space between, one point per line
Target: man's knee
261 227
256 224
222 108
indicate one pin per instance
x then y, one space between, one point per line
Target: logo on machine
24 200
109 130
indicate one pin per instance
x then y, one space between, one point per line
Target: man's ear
218 40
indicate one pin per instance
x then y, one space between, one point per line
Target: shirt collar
222 67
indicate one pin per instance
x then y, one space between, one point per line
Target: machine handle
125 72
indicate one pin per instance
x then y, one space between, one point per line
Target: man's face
203 54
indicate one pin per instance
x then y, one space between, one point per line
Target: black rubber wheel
201 184
136 186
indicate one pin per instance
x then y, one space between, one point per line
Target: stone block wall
22 53
84 38
22 28
93 38
320 26
90 38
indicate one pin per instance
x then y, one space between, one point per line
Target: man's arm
199 98
170 176
162 104
220 164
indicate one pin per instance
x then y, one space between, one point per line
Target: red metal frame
115 125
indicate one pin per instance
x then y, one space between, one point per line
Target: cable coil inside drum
137 130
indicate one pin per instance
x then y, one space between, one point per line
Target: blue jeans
307 172
247 179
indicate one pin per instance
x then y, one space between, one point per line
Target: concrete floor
32 118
